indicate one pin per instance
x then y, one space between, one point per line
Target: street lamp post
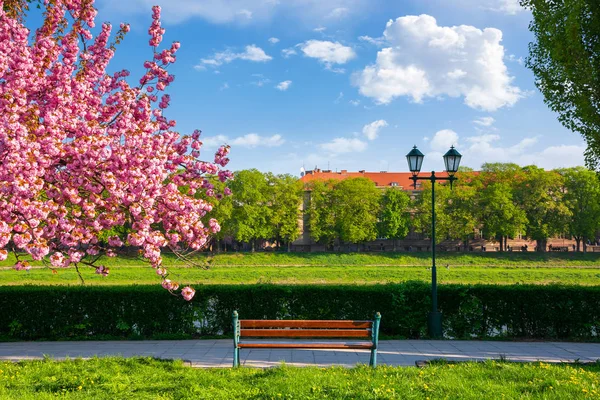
451 161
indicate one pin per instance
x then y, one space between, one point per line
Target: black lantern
415 160
452 161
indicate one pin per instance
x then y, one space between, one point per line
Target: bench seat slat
305 333
337 345
270 323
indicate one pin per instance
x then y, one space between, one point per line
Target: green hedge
470 311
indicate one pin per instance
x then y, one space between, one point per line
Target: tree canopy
565 59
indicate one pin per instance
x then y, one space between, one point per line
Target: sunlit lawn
145 378
307 275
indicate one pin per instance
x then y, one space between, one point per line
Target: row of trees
501 201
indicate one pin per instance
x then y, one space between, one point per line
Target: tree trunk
218 245
541 245
578 240
584 245
466 244
289 247
501 243
253 241
506 242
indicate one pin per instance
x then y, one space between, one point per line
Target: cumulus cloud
510 7
287 53
487 147
484 121
240 11
442 140
283 86
371 131
251 53
344 145
327 52
426 60
273 40
250 140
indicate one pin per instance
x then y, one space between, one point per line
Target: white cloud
283 86
442 140
224 86
328 53
240 11
287 53
251 53
510 7
344 145
487 147
354 102
250 140
273 40
379 42
339 12
339 98
484 121
513 58
371 131
245 13
427 60
320 29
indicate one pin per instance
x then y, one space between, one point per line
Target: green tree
582 198
321 212
540 195
394 219
287 193
422 211
565 59
356 204
501 217
461 210
251 210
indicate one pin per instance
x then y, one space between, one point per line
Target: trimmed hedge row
470 311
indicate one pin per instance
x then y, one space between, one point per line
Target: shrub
470 311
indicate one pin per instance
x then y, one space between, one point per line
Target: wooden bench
269 328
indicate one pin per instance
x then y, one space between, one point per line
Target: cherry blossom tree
83 153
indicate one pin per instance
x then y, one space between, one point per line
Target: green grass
145 378
309 275
516 259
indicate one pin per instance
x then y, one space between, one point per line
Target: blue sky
352 84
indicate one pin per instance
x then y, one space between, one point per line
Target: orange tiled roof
381 179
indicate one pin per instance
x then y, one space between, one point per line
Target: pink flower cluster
82 151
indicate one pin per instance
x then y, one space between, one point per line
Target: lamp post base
434 324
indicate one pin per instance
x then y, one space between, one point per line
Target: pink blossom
188 293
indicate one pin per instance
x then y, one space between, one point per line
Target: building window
394 184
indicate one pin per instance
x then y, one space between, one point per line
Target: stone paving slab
219 353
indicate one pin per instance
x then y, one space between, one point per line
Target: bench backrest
306 328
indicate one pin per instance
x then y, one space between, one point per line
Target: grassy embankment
327 268
145 378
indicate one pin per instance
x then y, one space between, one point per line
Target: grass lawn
145 378
497 259
308 274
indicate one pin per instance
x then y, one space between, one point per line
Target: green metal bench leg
236 338
375 338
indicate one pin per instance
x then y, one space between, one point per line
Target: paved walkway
218 353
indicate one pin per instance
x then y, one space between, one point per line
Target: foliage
540 195
251 213
564 59
356 202
470 311
422 217
146 378
394 218
582 198
500 215
321 212
84 151
287 196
